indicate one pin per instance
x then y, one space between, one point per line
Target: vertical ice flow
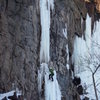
52 91
78 54
82 48
50 88
45 26
96 39
88 34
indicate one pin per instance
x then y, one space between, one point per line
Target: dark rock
20 97
19 47
14 97
79 35
90 8
86 98
72 67
80 90
5 98
76 81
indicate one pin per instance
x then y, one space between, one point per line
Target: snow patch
9 94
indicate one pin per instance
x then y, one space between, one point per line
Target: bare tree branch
96 69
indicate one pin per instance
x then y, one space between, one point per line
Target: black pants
51 77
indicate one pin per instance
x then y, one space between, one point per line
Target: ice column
82 48
51 88
45 28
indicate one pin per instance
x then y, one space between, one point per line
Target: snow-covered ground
86 58
9 94
87 83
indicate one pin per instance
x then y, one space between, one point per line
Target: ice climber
51 74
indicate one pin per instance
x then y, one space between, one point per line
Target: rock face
19 47
67 14
20 34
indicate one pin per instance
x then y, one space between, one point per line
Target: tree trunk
94 84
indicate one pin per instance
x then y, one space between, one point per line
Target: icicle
65 31
40 78
78 54
67 51
88 34
96 39
52 4
96 44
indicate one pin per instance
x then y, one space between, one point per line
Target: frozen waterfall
47 88
86 57
45 27
51 88
82 48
